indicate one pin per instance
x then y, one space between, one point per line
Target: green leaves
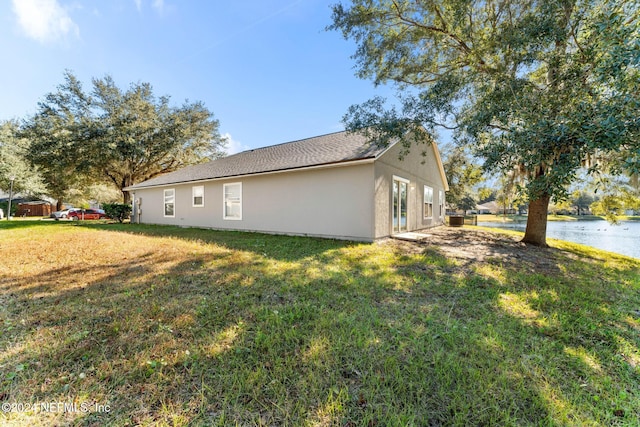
115 136
13 150
117 211
462 175
534 87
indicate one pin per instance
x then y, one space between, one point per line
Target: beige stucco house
335 186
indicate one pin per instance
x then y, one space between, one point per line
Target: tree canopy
13 163
537 87
116 136
56 135
462 175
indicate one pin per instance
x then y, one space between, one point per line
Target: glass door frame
399 205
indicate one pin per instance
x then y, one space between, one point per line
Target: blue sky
267 69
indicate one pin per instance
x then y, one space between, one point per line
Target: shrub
119 211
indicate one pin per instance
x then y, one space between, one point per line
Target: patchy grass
170 326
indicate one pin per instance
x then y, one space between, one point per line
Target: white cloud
44 20
234 146
158 5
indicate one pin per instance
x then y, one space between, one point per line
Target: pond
623 238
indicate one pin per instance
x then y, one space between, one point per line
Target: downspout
137 211
134 208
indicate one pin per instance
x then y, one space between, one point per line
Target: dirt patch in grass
473 246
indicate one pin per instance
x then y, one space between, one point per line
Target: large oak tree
543 88
115 136
57 138
138 136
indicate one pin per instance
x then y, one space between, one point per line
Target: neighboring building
336 186
494 207
26 205
491 207
34 208
487 208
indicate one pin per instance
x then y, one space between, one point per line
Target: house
334 186
488 208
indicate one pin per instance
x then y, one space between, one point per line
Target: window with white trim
197 196
441 202
232 201
428 202
170 202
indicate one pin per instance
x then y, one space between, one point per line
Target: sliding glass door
399 213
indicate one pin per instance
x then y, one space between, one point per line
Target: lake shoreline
550 218
620 238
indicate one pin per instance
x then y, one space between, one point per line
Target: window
428 202
441 202
169 202
197 196
232 201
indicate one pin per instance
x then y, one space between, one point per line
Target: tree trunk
536 232
59 205
126 182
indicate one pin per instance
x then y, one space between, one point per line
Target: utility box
456 221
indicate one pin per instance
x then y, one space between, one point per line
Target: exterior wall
326 202
34 209
419 175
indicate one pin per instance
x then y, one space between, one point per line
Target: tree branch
460 44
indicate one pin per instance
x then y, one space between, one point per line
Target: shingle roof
329 149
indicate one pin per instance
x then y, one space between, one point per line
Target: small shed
34 208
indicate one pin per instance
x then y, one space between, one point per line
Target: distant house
335 186
488 208
494 207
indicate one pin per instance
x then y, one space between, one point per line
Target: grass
171 326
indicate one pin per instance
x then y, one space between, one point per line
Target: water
623 239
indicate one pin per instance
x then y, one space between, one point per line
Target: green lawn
171 326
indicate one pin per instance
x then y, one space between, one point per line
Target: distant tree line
469 187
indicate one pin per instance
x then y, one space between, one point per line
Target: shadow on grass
326 333
17 224
286 248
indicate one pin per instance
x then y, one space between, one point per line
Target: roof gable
335 148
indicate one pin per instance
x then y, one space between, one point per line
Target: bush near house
118 211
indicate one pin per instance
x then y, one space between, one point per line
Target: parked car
87 214
65 213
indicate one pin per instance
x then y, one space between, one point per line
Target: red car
87 214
